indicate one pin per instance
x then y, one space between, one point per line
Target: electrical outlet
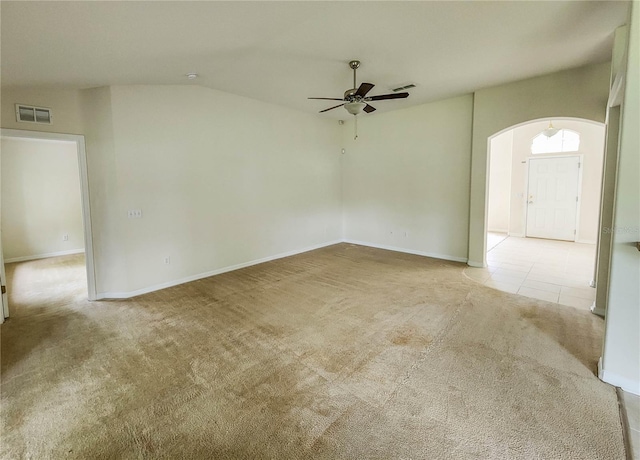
65 237
134 213
167 260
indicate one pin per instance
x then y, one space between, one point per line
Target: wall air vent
403 87
31 114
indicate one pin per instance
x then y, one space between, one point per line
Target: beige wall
221 180
406 178
576 93
621 357
499 195
108 246
40 199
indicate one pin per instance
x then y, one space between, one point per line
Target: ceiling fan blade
369 109
331 108
364 89
326 98
382 97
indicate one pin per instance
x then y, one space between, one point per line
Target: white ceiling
284 52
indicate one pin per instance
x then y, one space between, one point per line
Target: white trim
616 94
218 271
498 230
44 256
84 192
517 235
408 251
579 203
4 298
585 241
472 263
628 385
599 311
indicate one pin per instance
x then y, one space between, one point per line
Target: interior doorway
543 209
60 228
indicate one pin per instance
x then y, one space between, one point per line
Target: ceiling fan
355 100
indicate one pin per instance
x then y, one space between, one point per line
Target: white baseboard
44 256
597 310
518 235
472 263
628 385
157 287
408 251
497 230
586 241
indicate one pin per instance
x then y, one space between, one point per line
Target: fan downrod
355 64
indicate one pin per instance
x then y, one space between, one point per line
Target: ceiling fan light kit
355 100
354 108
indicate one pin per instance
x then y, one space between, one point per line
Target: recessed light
192 76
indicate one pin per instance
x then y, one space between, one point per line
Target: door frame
580 157
4 302
84 193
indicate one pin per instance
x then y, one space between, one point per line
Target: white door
552 199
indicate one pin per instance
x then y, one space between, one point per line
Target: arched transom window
564 140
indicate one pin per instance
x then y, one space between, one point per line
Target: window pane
539 144
555 143
571 141
563 141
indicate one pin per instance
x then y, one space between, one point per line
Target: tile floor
631 404
551 270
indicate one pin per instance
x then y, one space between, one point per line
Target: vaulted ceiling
284 52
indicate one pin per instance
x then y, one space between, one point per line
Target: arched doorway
542 210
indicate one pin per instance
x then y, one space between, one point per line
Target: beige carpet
341 353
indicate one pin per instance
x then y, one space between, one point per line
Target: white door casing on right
4 300
552 197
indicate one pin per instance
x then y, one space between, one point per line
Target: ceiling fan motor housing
350 93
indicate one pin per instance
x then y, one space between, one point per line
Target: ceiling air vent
31 114
403 87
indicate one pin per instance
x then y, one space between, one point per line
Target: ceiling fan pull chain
355 126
